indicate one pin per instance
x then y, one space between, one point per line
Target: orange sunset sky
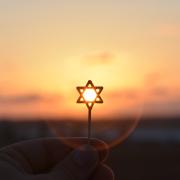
48 47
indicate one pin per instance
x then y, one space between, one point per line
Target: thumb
78 165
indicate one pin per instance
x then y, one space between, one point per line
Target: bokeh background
131 47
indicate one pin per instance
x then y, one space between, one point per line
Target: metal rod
89 125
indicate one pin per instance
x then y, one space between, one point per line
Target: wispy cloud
99 58
31 105
168 30
165 107
124 93
159 100
27 99
152 79
160 92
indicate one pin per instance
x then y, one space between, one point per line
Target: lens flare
113 130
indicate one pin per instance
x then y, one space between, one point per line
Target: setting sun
89 95
49 47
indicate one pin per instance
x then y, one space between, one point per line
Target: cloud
9 65
165 107
26 99
159 100
168 30
99 58
159 92
124 93
152 79
31 105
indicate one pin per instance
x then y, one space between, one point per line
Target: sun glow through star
90 95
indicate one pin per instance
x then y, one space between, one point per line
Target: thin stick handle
89 125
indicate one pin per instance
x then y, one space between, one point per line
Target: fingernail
85 156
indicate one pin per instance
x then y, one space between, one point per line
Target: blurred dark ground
152 151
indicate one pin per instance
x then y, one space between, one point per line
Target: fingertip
99 145
85 155
79 164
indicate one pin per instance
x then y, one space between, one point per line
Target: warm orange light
90 95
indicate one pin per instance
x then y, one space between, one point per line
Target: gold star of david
92 91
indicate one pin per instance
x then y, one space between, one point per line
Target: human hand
54 159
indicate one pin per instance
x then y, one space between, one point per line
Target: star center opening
90 95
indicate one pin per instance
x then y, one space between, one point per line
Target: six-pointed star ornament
89 95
